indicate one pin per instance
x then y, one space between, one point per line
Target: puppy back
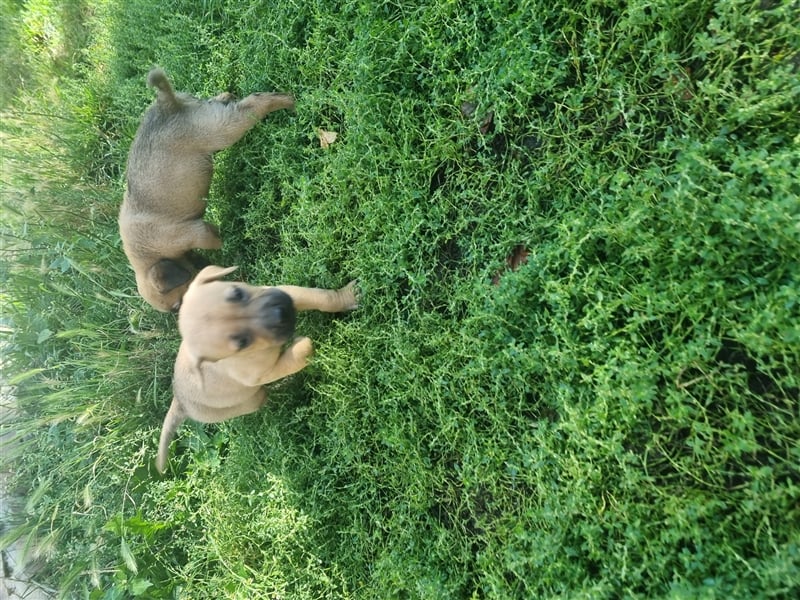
157 78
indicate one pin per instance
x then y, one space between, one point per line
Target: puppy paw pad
351 295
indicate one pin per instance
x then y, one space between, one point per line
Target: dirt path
16 580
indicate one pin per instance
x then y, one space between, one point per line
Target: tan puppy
168 176
234 341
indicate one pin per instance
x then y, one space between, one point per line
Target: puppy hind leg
229 122
214 414
175 417
224 97
262 103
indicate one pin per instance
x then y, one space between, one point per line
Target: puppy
168 176
234 340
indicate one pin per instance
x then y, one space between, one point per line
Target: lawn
575 371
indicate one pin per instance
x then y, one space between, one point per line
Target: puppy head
219 319
164 284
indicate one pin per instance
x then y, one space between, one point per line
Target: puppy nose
277 314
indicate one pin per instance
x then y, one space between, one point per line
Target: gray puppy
168 176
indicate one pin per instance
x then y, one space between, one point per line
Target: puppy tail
172 421
157 78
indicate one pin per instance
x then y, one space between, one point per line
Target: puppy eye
236 294
240 342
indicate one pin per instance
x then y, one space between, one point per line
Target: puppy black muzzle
277 315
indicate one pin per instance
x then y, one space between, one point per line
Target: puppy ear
214 273
167 275
197 362
195 366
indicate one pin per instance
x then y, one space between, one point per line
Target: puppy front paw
302 348
350 295
224 97
210 239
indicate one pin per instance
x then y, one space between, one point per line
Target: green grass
618 417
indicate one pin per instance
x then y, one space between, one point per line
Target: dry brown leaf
517 258
488 123
326 138
468 108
